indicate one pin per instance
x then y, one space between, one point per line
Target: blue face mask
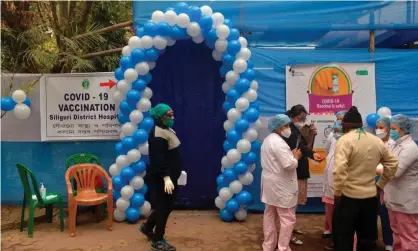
394 135
337 135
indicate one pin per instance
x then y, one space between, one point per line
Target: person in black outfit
297 115
164 171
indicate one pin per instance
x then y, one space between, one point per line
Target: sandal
162 246
296 231
296 241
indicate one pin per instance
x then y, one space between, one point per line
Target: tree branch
106 29
102 53
85 16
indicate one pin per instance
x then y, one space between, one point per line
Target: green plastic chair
35 200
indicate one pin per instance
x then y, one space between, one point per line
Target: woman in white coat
401 193
339 115
279 184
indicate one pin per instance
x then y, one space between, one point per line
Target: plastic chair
84 176
35 200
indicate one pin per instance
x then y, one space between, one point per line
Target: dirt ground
187 230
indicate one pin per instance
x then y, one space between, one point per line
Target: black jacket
303 164
164 152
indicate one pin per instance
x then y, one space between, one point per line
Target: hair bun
353 109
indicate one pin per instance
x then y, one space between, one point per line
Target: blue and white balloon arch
241 106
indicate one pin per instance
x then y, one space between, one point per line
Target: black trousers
162 204
355 216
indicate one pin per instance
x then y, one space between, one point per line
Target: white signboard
78 107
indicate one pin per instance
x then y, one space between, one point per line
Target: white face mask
381 133
299 125
286 133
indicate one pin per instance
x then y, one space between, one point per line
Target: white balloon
235 186
243 42
147 42
151 65
233 115
206 10
193 29
126 192
222 169
228 125
251 168
143 105
198 39
136 117
257 125
234 156
182 20
240 65
217 55
157 16
135 42
244 146
218 19
130 75
171 42
147 93
134 155
145 209
220 203
21 111
222 32
225 194
159 42
19 96
246 178
122 204
144 149
221 44
226 87
251 134
225 162
121 135
170 16
126 51
143 174
137 182
244 53
122 161
119 215
123 87
241 214
128 129
384 112
251 95
117 96
231 77
114 170
242 104
142 68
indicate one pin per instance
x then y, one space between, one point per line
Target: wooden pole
102 53
372 41
106 29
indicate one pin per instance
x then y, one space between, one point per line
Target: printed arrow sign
109 84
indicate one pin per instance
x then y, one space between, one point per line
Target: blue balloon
233 47
132 214
140 32
195 13
144 189
240 168
168 8
128 143
147 124
255 105
220 180
139 85
223 71
206 23
211 35
127 173
125 63
116 195
228 60
147 78
119 148
250 64
227 106
117 182
139 167
7 104
164 28
233 136
256 147
232 95
232 206
250 158
133 96
210 44
137 200
177 32
248 74
150 28
227 146
229 175
243 198
228 23
371 119
140 136
226 216
137 55
119 74
251 115
151 54
218 188
27 102
125 108
122 118
181 7
233 35
241 125
242 85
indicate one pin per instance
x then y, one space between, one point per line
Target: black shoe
329 247
327 236
162 246
147 233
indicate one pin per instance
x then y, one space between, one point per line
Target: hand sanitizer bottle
43 191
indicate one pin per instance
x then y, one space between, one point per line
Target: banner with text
325 90
78 107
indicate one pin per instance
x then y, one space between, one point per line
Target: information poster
325 90
78 107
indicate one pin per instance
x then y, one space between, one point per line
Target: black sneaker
147 233
162 246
